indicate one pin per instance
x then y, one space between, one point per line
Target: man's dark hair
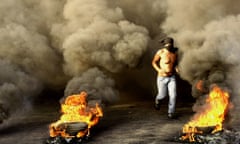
167 40
168 43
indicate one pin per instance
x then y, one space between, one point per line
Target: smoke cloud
72 44
98 85
89 45
208 36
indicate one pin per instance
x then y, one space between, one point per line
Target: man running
165 63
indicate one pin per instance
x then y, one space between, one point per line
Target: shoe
170 115
157 105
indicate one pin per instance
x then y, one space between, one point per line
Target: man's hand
177 69
161 71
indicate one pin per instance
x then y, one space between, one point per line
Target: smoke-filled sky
85 44
208 35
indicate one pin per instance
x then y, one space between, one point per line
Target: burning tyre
76 120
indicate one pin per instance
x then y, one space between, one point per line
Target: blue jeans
167 85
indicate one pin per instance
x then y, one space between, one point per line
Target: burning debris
76 121
206 126
221 137
212 114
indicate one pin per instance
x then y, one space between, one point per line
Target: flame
199 85
75 109
212 115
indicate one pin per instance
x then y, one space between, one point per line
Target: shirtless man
164 62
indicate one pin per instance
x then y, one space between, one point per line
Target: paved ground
124 123
140 124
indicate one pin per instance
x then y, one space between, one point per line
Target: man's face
168 45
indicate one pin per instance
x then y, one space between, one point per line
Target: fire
199 85
212 115
75 109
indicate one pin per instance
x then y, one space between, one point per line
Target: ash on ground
221 137
62 140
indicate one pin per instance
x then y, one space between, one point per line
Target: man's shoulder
160 51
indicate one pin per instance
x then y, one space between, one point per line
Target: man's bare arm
176 65
155 62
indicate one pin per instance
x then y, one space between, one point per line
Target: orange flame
199 85
212 115
76 109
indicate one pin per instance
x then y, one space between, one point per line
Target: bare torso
164 62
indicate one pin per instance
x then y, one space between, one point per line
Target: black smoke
208 37
101 45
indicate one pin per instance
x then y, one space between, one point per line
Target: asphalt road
134 122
